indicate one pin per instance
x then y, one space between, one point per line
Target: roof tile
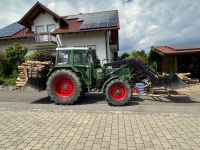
171 51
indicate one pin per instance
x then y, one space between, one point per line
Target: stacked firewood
30 69
186 77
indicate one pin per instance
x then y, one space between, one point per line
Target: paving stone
85 130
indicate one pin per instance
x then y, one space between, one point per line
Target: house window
51 27
39 29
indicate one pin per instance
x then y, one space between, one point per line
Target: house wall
6 43
44 19
90 38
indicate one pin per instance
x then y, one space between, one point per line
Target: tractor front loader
76 71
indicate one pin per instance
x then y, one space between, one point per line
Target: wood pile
30 69
186 78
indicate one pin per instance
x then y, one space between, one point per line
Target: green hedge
7 81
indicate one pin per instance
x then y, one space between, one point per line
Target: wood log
37 69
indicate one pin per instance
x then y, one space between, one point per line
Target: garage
171 60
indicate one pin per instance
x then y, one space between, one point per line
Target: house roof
36 10
11 29
165 50
97 21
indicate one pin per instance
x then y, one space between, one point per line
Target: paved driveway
28 120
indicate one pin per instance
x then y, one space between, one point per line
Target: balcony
44 41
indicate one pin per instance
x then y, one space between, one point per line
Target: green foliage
154 60
1 63
8 81
124 56
153 66
14 56
139 55
31 55
40 56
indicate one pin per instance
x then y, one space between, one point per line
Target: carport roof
166 50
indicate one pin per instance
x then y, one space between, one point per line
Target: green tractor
77 71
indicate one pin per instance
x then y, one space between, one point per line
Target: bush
1 63
40 56
31 55
45 57
7 81
153 66
14 57
154 60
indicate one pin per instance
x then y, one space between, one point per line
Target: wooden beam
175 63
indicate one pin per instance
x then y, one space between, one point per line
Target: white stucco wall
44 19
6 43
84 39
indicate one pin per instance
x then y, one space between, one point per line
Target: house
178 60
39 28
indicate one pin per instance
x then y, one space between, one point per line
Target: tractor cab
73 56
78 59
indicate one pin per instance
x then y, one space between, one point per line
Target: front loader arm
171 81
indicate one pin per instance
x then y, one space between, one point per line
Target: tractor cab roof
72 48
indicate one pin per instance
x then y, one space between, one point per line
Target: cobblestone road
78 130
28 120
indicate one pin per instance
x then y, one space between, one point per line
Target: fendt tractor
77 71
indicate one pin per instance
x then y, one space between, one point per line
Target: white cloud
143 23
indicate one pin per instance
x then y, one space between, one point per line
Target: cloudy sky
143 23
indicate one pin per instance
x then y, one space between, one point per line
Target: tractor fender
107 81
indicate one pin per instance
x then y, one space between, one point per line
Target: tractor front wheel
64 87
118 92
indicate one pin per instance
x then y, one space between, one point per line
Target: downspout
106 42
117 46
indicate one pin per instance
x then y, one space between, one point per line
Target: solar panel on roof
112 24
97 20
103 24
93 25
84 26
113 19
104 20
11 29
73 17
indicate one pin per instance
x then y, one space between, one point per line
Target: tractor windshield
64 57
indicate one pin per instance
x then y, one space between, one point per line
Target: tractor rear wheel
118 92
64 87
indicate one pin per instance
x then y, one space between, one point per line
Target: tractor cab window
64 57
80 57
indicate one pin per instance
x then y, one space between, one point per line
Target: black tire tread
117 103
78 89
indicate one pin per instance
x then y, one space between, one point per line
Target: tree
14 56
154 60
124 56
140 56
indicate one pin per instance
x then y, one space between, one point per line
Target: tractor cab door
83 64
